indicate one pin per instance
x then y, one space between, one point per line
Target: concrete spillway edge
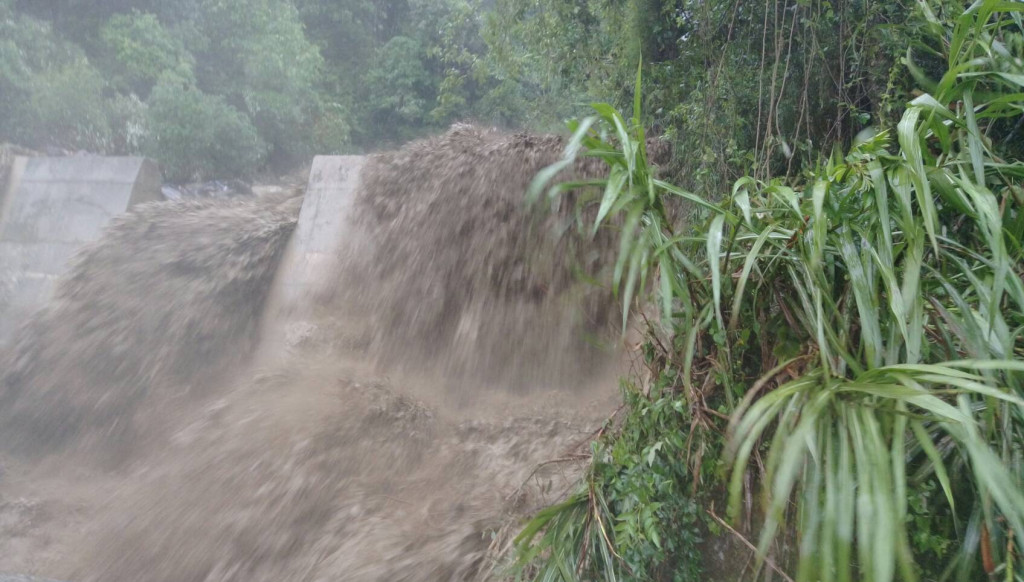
53 206
309 266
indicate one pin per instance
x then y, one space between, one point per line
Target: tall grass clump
847 349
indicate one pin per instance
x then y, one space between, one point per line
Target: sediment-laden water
403 440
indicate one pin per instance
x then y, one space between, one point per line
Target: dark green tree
197 136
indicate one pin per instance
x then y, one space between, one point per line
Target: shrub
197 136
65 108
861 332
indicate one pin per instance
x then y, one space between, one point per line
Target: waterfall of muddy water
140 442
168 297
465 280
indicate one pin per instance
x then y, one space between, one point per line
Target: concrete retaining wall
308 268
53 206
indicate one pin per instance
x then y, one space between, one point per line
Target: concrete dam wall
48 209
309 263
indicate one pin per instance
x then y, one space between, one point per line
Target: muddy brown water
402 439
314 471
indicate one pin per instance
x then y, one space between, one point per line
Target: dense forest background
226 88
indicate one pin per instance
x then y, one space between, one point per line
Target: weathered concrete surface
20 578
308 268
51 207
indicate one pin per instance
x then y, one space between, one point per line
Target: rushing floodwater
396 438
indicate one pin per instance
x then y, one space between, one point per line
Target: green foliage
143 50
637 511
763 88
253 55
347 34
332 131
649 486
311 76
65 108
738 87
259 58
399 88
80 21
344 31
862 330
734 86
50 94
198 136
562 55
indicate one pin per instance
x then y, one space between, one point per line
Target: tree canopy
734 85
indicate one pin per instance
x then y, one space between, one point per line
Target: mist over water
399 437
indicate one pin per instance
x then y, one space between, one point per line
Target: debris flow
404 439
